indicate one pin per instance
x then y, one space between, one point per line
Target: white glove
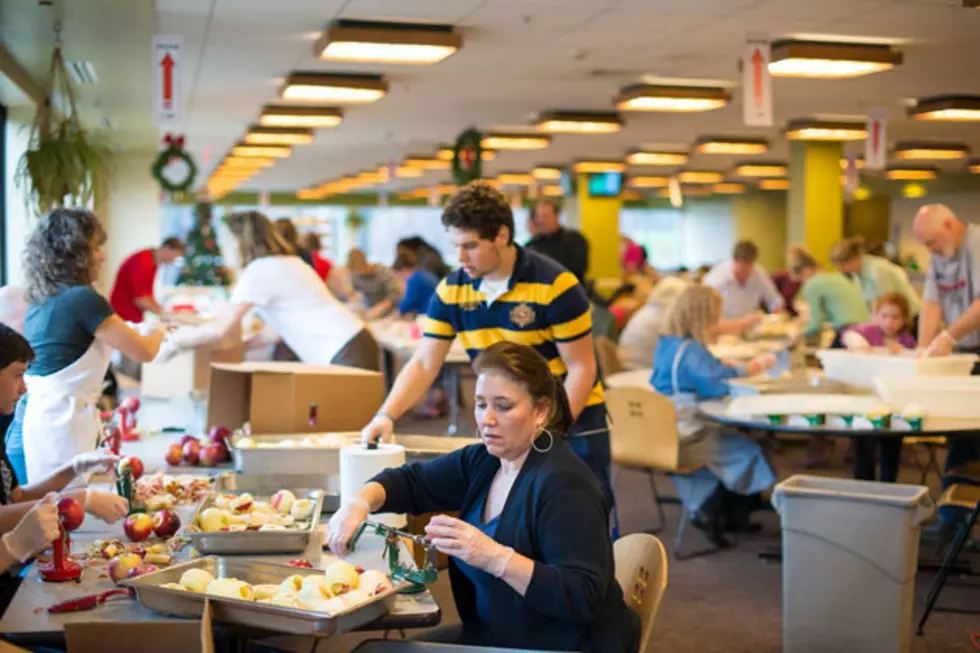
168 349
942 345
144 328
854 341
379 429
343 524
462 540
100 459
761 363
36 530
107 506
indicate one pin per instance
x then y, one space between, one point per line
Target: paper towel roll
358 465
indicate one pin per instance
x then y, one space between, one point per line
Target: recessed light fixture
333 87
249 162
760 169
278 136
409 172
926 151
647 181
811 129
652 97
583 167
947 107
425 163
382 42
726 145
445 153
309 117
830 60
974 164
858 163
552 190
515 179
579 122
649 158
371 177
910 174
774 184
501 141
728 188
264 151
309 194
546 173
700 177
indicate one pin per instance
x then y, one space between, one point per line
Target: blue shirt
478 577
62 327
419 288
699 371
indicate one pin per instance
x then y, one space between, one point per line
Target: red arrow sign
168 81
875 135
757 62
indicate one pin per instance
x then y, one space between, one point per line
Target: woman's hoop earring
551 441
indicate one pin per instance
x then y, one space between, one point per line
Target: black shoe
712 528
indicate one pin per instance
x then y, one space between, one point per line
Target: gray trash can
850 554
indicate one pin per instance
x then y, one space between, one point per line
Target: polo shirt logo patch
522 315
469 306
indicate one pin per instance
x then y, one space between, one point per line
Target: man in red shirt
132 294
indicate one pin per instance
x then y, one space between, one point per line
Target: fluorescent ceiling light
598 166
579 122
278 136
725 145
830 60
82 72
925 151
425 163
552 190
407 172
947 107
648 97
371 177
261 151
701 177
515 179
646 158
250 162
309 194
728 188
502 141
910 174
645 181
445 153
825 130
382 42
774 184
760 169
546 173
309 117
333 87
974 164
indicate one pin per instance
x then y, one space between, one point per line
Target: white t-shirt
294 301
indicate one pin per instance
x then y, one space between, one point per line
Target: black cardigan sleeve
572 533
436 485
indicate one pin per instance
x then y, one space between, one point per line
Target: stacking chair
643 436
641 569
929 444
608 355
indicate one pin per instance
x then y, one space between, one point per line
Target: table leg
450 375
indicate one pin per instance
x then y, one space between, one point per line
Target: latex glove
167 351
761 363
144 328
379 429
468 543
854 341
107 506
100 459
942 345
36 530
344 523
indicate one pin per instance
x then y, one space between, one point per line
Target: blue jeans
14 442
594 450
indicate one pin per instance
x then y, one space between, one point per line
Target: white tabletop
399 337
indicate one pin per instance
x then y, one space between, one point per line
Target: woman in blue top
719 496
531 560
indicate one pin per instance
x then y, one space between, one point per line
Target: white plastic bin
951 396
859 370
850 553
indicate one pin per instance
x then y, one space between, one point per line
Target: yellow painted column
815 215
598 220
761 218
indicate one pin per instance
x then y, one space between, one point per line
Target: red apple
187 438
139 570
71 513
120 566
218 434
175 454
214 454
192 452
165 523
133 464
138 526
132 404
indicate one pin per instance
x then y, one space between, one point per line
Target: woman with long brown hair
289 296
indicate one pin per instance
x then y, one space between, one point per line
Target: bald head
938 228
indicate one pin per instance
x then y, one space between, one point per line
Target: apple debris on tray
224 511
163 491
339 588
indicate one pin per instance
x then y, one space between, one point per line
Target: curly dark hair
60 251
481 208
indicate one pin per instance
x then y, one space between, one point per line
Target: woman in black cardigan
531 560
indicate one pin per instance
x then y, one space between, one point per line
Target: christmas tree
203 264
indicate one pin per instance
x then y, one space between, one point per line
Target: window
699 233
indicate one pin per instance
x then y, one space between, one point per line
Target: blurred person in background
428 256
831 297
743 284
322 265
287 231
565 245
375 286
638 341
419 284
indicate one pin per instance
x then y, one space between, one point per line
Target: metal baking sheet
239 542
273 618
268 484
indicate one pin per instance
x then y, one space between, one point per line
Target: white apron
62 416
689 423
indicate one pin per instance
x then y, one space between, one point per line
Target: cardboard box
275 397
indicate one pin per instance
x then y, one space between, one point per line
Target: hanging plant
65 164
354 220
163 166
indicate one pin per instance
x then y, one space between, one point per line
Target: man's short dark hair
745 252
555 206
174 243
481 208
14 347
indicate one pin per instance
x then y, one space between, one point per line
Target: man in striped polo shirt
505 292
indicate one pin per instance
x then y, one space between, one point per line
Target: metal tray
288 541
263 616
268 484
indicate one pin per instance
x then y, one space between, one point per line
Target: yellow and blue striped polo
544 305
